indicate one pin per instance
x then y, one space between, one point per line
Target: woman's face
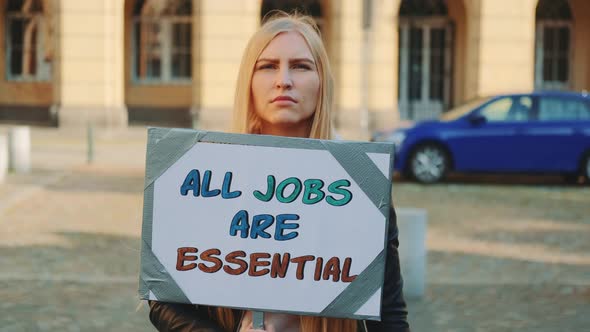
286 86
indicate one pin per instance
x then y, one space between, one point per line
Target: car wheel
429 163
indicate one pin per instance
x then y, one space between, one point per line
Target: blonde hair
227 319
245 119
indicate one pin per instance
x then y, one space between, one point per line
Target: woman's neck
286 130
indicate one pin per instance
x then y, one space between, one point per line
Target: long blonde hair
229 322
245 119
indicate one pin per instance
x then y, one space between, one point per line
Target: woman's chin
286 126
286 117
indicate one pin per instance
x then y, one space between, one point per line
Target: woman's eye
266 66
302 66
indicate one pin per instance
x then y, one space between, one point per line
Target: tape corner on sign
143 290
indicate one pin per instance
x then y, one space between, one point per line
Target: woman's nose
284 80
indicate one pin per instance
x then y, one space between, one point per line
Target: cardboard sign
265 223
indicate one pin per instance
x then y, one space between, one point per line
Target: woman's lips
284 99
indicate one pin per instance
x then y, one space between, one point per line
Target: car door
556 136
491 139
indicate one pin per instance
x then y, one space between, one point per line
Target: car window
585 115
508 109
459 111
556 109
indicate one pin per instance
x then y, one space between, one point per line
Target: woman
285 88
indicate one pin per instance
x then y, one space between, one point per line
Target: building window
553 49
425 41
29 41
162 41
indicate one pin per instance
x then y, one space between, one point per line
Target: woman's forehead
290 44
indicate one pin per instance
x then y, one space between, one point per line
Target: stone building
175 62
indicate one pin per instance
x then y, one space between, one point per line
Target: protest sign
265 223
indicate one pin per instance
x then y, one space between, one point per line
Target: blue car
539 132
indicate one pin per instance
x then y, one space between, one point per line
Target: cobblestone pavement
500 257
504 257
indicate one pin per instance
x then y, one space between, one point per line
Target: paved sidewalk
504 257
69 239
501 257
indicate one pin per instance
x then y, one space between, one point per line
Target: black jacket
175 317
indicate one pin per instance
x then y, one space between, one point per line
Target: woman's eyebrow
302 60
272 60
267 60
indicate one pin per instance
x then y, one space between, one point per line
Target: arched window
29 41
421 8
558 10
553 39
162 39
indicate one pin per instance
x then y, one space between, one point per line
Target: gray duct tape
146 232
358 292
157 279
261 140
148 211
154 276
144 291
364 172
287 142
165 147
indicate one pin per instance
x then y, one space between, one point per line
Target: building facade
115 62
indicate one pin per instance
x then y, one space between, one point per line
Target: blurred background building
174 62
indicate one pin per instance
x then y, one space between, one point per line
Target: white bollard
412 249
19 149
3 157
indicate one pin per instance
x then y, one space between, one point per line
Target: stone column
383 95
472 46
413 224
89 71
501 46
225 27
581 52
346 45
3 157
19 149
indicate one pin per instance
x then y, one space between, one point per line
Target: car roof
549 93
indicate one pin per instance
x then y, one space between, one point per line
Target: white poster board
264 223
